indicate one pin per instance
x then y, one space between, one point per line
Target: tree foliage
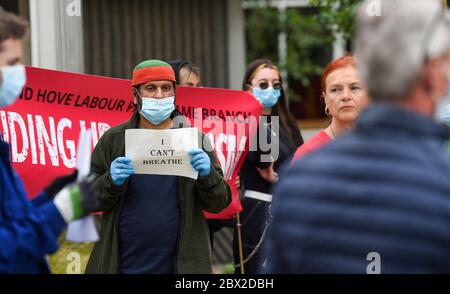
309 31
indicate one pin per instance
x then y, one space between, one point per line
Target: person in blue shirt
29 230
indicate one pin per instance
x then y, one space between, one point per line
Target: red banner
230 119
44 124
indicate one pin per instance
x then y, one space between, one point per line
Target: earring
327 111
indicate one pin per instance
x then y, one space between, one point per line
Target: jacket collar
380 117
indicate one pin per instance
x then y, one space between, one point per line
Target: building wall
20 7
119 34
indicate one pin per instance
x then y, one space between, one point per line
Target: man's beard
138 105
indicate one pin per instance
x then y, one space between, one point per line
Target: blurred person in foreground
29 230
377 200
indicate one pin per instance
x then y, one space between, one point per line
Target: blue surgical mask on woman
157 110
268 97
13 81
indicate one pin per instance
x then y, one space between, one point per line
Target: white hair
391 48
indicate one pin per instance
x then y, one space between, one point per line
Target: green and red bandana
152 70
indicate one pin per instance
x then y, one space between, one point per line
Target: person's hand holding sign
200 162
121 169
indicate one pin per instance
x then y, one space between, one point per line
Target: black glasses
265 85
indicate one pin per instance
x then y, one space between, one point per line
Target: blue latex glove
200 162
121 169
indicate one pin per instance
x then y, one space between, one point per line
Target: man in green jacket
154 223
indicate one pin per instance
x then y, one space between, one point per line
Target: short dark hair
12 26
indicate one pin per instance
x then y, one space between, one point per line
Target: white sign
162 152
84 229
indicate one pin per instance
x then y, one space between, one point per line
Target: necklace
332 132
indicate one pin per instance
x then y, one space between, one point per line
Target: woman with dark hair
186 74
263 79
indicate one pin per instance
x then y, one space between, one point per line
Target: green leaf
309 31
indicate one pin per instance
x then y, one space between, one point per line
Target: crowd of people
376 179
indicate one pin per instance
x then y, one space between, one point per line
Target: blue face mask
157 110
13 80
268 97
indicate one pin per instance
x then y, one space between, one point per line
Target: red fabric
315 142
214 106
58 105
44 125
150 74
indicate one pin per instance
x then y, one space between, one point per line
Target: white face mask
13 80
